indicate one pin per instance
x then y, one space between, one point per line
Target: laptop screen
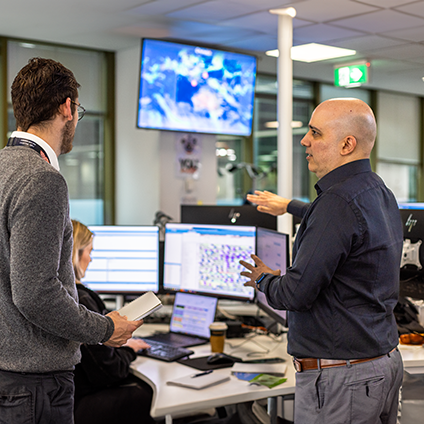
192 314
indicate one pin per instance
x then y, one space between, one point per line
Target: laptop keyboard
164 352
175 339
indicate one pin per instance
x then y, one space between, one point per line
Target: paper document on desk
274 369
199 382
141 307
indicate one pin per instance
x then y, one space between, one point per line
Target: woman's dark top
101 366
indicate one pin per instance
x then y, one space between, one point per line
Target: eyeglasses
80 109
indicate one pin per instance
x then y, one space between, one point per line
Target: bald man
343 284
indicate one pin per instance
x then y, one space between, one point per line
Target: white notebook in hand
141 307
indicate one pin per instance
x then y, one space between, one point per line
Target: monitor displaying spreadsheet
125 259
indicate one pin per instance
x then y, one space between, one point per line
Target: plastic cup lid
218 326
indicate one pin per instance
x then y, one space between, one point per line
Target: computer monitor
272 248
202 258
125 259
227 215
412 261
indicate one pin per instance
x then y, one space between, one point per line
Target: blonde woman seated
105 390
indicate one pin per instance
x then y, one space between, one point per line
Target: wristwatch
259 279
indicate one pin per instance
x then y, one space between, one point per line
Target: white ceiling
388 33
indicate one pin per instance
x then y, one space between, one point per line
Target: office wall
146 160
137 151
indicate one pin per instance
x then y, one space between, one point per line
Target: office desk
169 401
413 358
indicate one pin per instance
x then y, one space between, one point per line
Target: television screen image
205 259
195 89
125 259
273 249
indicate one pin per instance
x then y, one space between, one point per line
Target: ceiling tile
259 43
218 38
412 34
111 5
320 33
160 7
142 31
416 9
324 10
386 66
262 21
385 4
402 52
381 21
213 11
210 33
268 4
367 42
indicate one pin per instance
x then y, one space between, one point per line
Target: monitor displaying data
125 259
205 259
195 89
273 250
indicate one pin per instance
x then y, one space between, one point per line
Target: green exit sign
352 75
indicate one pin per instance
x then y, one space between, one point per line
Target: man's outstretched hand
256 271
269 202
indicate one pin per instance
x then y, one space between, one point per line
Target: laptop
191 316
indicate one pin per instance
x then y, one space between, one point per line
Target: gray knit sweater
41 322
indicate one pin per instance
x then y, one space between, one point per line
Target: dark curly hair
39 89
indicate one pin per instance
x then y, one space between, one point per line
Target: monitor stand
119 301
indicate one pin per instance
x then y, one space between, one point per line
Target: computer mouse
219 359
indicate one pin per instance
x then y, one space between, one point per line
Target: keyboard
176 339
164 352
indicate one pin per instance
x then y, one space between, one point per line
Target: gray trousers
364 393
36 398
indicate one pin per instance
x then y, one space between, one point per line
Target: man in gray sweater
41 321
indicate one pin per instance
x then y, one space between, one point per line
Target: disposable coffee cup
217 340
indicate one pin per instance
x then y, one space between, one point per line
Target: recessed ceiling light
28 45
274 124
314 52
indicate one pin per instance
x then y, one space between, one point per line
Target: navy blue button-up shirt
343 285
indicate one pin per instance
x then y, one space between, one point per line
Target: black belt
306 364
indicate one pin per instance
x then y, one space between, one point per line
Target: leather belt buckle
297 365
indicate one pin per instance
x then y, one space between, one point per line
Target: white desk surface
413 358
175 401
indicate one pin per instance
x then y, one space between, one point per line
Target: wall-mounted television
195 89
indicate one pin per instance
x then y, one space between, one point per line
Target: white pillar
285 111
